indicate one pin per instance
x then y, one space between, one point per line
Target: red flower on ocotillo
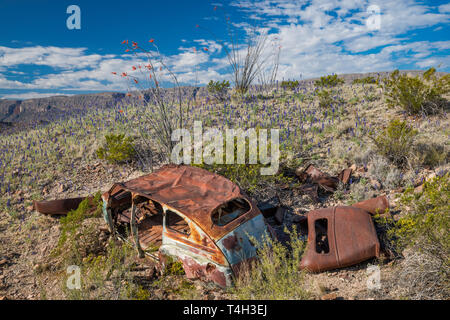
124 74
114 72
133 67
151 40
125 41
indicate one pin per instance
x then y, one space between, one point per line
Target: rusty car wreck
206 222
200 218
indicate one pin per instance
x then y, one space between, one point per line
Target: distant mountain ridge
46 109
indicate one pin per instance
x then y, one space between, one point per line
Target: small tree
395 142
417 95
116 149
165 112
218 89
329 81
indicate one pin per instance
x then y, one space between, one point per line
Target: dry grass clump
275 275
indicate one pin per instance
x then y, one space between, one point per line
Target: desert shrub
366 80
80 235
329 81
395 142
328 98
431 154
289 84
325 99
386 173
360 191
105 265
108 276
173 267
72 221
246 175
218 89
423 236
117 148
275 275
417 95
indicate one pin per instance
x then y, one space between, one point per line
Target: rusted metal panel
377 205
57 207
312 175
345 175
339 237
197 263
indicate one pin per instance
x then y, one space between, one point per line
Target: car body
197 217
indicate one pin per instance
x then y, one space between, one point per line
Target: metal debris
312 177
339 237
204 221
57 207
342 236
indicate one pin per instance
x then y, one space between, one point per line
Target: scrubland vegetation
394 132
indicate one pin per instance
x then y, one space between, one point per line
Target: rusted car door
339 237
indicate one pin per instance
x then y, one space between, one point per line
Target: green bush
275 275
72 221
78 239
421 237
395 142
431 154
289 84
417 95
117 148
218 89
428 221
246 175
366 80
329 81
108 276
325 99
173 267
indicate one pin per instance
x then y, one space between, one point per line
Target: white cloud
445 8
331 34
317 37
65 58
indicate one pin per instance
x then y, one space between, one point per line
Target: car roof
192 191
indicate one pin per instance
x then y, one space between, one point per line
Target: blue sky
40 56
